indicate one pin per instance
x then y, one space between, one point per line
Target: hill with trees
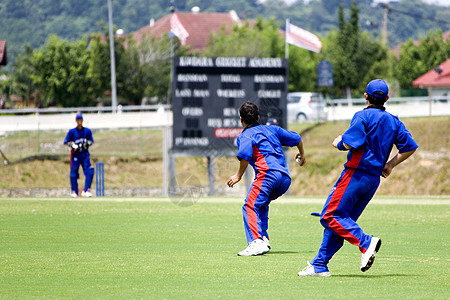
72 70
33 22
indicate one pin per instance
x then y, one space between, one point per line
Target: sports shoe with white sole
73 195
266 240
86 194
368 257
257 247
309 271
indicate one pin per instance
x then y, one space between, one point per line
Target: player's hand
73 146
300 159
233 180
386 171
336 141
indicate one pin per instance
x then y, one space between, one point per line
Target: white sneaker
257 247
86 194
266 240
309 271
368 257
73 195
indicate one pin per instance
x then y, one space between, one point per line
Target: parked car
306 107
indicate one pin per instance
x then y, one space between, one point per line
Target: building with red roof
3 57
199 25
438 78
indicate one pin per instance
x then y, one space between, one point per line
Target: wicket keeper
369 141
261 147
79 139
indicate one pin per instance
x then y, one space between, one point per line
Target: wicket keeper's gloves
74 146
86 144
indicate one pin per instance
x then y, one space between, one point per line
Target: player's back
266 142
380 130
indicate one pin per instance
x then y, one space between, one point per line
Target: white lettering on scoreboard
269 94
230 112
231 62
192 111
231 93
192 78
230 78
265 63
186 93
182 141
191 61
268 78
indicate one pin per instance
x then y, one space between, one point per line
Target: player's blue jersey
77 136
261 146
372 134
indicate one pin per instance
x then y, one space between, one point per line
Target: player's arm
300 157
400 157
339 144
237 177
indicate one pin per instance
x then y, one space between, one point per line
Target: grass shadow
288 252
374 276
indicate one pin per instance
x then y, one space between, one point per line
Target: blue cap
377 88
79 116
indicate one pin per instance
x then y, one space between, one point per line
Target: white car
306 107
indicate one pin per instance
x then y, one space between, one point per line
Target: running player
79 139
369 141
261 147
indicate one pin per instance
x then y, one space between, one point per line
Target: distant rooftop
438 77
3 57
199 25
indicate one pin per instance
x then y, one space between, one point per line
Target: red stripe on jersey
333 205
356 157
260 160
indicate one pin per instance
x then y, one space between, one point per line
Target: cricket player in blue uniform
369 141
261 147
79 139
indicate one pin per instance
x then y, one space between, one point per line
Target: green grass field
155 249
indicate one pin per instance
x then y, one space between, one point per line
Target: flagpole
286 51
169 90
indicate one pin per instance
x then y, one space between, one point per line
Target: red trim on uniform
252 219
260 160
333 205
261 166
356 157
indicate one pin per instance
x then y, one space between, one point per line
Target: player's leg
331 243
278 185
74 173
339 205
250 209
371 244
89 172
371 184
256 201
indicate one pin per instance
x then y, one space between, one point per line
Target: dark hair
377 101
249 112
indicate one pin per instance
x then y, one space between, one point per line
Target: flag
302 38
177 29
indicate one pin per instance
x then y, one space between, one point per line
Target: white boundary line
402 200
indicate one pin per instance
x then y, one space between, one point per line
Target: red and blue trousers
267 186
349 197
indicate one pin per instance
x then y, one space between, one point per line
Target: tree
60 73
356 56
261 40
415 60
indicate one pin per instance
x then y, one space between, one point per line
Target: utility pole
113 60
385 20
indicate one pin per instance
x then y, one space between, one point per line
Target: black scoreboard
207 93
